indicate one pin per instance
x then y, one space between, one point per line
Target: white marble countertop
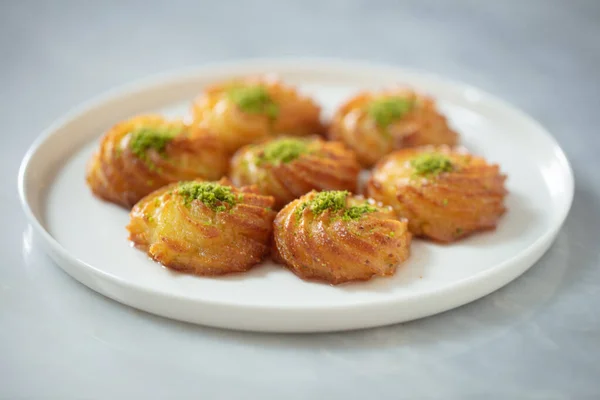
537 338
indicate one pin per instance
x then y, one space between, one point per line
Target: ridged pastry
203 228
334 237
248 110
444 193
375 123
287 168
147 152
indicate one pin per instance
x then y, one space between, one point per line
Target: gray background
538 338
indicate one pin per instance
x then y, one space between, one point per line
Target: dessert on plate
445 193
287 168
247 110
335 237
144 153
203 228
375 123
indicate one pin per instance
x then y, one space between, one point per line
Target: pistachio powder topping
254 100
431 164
283 151
335 201
387 110
355 212
215 196
146 138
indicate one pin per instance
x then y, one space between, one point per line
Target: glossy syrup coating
445 193
247 110
375 123
335 237
203 228
144 153
287 168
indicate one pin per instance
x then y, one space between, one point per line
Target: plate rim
540 245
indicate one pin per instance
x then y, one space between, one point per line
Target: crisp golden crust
422 125
444 207
117 174
327 247
196 239
297 115
325 166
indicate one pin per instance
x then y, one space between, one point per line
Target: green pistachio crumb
283 151
215 196
392 234
254 100
333 200
445 202
157 138
355 212
387 110
429 164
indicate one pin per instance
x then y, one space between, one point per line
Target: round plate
87 237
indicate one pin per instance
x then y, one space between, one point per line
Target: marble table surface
537 338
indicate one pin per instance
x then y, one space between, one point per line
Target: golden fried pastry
146 152
375 123
287 168
444 193
248 110
203 228
334 237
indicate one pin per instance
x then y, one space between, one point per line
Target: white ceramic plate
87 237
